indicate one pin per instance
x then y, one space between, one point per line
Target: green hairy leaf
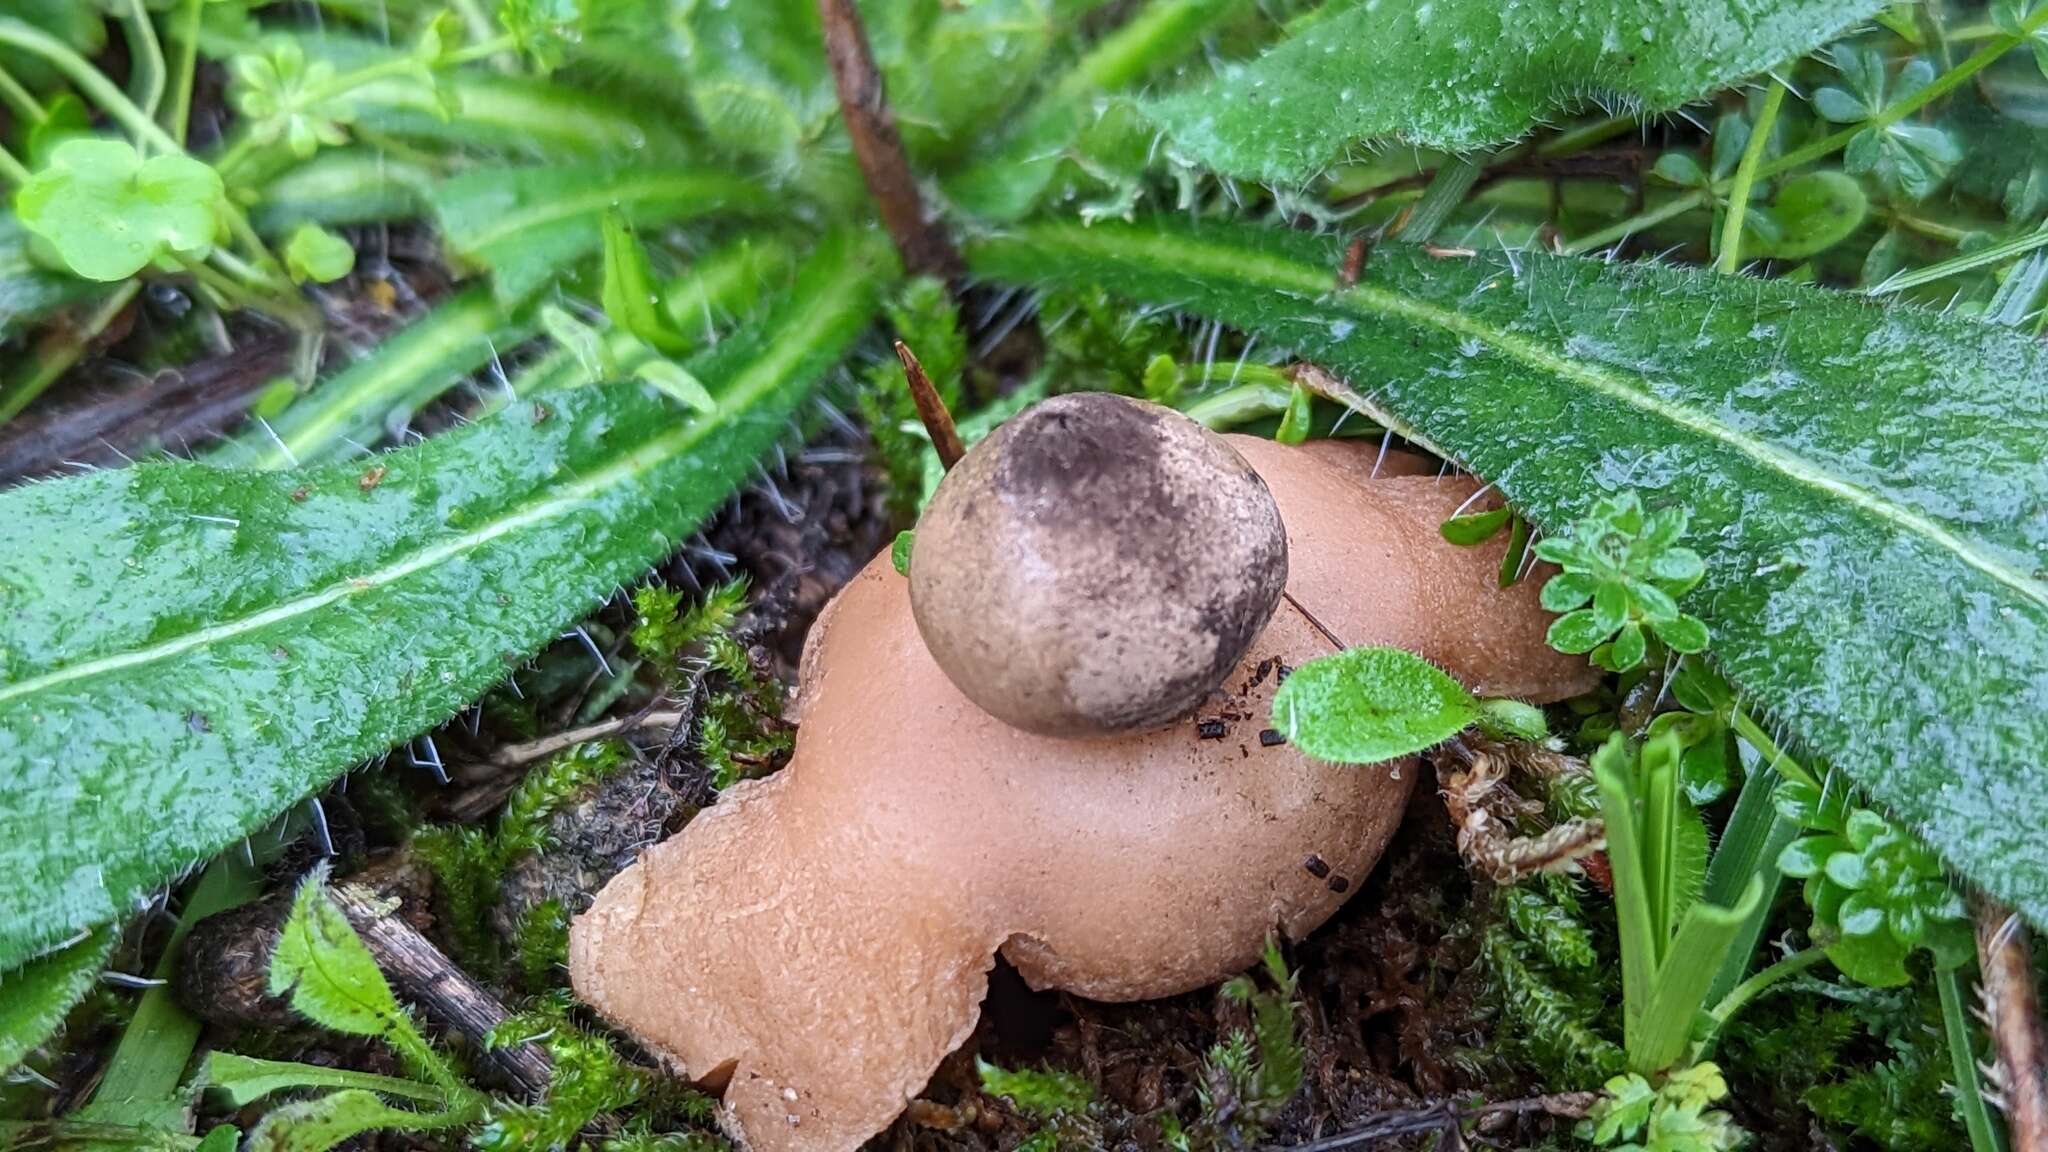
240 1080
319 1124
1462 74
1369 705
185 651
35 1000
327 971
1867 485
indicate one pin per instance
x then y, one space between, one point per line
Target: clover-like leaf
108 212
1627 561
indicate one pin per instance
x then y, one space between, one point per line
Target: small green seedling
1059 1101
1672 942
1877 892
1633 1116
1370 705
1622 569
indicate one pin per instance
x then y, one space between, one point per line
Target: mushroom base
826 934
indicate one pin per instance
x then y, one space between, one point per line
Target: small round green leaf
1685 634
1815 212
1576 632
1367 705
313 253
108 212
899 552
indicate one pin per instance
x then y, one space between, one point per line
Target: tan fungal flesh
823 937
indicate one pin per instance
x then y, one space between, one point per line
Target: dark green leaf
35 999
1850 563
185 651
1368 705
27 291
1463 74
526 224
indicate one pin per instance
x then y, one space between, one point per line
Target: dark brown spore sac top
1097 565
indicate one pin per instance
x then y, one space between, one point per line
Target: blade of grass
1986 1135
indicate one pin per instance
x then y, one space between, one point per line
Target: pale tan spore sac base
817 941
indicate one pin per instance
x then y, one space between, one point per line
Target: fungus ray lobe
185 651
1868 485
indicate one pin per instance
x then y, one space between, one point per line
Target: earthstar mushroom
814 943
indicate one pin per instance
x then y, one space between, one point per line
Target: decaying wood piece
2013 1010
445 992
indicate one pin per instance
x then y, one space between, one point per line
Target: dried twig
931 409
2014 1012
1446 1118
864 105
518 755
427 977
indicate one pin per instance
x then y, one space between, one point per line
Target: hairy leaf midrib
745 389
1368 302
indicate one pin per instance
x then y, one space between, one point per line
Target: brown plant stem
923 244
931 409
429 978
2014 1011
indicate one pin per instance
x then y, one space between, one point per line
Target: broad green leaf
1869 484
185 651
325 969
319 1124
35 999
525 224
1463 74
108 212
1369 705
313 253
